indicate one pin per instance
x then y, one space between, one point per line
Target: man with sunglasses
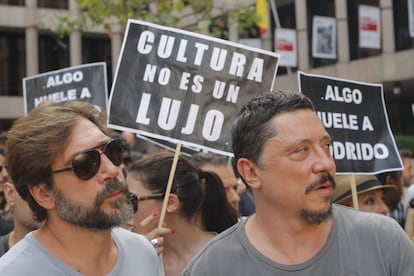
65 165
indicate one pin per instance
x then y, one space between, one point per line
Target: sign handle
354 192
169 184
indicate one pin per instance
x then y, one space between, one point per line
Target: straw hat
363 182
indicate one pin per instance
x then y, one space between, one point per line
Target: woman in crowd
197 208
369 190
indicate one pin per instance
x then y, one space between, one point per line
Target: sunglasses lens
86 164
133 199
115 151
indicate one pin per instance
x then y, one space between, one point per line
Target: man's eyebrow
101 144
327 137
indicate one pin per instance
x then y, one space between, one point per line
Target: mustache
111 186
324 178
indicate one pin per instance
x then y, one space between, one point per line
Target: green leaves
162 12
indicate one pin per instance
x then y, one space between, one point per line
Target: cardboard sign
185 87
355 116
86 82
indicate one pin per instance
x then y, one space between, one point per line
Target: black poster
355 116
185 87
86 82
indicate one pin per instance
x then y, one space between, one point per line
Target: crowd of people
77 199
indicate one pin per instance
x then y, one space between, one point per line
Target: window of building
355 52
403 40
317 8
53 53
12 62
53 4
98 49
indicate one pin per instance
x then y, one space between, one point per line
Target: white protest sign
285 44
184 87
355 116
369 27
86 82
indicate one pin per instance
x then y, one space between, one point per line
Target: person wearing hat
369 190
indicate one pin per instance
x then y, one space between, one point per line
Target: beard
314 217
94 218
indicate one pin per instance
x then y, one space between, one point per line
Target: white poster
285 45
324 37
369 27
410 4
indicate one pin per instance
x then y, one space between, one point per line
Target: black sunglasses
2 167
86 164
135 199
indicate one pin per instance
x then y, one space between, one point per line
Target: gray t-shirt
4 244
359 243
29 257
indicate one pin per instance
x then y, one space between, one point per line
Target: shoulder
126 237
367 226
21 258
218 249
136 253
351 216
4 244
133 243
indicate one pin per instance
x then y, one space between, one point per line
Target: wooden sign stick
169 184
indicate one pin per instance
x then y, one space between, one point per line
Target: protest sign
184 87
369 27
286 46
355 116
86 82
165 144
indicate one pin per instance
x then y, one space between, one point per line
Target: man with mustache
282 151
65 165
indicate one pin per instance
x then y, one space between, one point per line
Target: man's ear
42 195
9 193
248 170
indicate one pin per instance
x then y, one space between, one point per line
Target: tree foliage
162 12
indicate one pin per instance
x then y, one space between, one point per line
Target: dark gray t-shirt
359 243
4 244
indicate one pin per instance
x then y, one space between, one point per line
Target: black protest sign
165 144
185 87
86 82
355 116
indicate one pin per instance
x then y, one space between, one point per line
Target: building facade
29 47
